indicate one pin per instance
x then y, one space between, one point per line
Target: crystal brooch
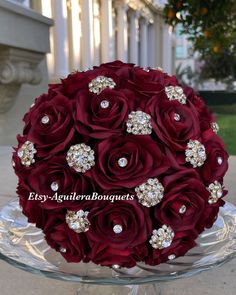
150 193
26 153
215 127
80 157
195 153
139 123
98 84
175 93
162 238
78 221
216 192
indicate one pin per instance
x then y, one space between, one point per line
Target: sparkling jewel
54 186
139 123
215 127
80 157
171 256
175 93
162 238
62 250
98 84
122 162
115 266
182 209
219 160
216 192
146 69
195 153
45 120
104 104
78 221
150 193
26 153
176 117
117 228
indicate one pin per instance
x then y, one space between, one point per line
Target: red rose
174 123
92 119
184 188
143 156
49 124
60 237
216 163
182 243
135 225
40 180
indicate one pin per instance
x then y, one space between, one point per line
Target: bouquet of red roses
120 130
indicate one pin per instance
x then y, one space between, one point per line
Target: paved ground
219 281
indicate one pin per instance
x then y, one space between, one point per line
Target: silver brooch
26 153
175 93
139 123
195 153
98 84
78 221
162 238
150 193
80 157
215 127
216 192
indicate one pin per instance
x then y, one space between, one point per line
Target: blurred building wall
90 32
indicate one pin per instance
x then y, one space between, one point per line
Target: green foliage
211 26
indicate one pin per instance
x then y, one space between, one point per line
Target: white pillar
87 42
61 38
152 46
122 30
75 35
158 25
143 43
134 36
97 32
106 30
167 49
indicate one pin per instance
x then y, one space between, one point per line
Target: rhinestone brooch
216 192
78 221
195 153
98 84
215 127
175 93
162 238
150 193
139 123
80 157
26 153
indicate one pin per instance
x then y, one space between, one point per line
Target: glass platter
23 245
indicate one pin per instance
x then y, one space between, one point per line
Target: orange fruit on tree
216 49
203 11
171 13
207 34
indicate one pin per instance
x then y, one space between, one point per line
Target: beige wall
11 122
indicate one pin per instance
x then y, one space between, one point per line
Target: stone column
97 32
75 35
122 30
61 65
87 44
134 36
143 42
167 49
106 30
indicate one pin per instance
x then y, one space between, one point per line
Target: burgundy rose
103 115
49 125
184 190
56 171
181 244
174 123
72 246
142 157
216 163
131 218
